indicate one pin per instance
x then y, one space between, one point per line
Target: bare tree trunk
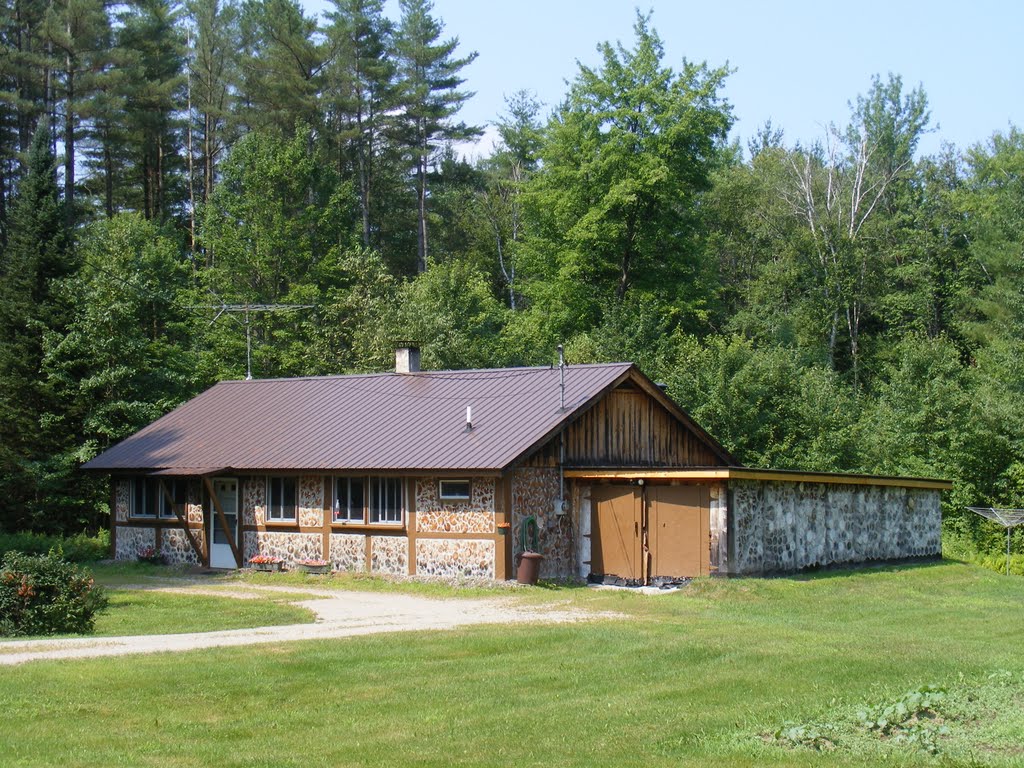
147 188
3 207
364 199
626 264
364 150
507 271
159 178
49 101
69 144
108 180
207 159
208 152
191 164
421 229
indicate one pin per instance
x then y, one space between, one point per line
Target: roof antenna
561 377
246 310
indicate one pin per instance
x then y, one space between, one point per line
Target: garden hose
530 523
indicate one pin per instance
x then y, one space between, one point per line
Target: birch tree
511 166
841 188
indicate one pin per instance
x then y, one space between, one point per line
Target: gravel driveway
338 614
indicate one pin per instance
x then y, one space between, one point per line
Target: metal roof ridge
447 371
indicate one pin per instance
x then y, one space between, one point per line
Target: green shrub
80 548
46 595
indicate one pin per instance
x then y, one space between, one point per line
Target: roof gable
664 435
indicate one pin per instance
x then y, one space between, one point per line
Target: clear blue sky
796 63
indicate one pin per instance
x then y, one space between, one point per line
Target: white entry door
226 491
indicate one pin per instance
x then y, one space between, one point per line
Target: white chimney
407 360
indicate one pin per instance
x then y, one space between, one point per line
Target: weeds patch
964 720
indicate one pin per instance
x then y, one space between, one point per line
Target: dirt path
338 614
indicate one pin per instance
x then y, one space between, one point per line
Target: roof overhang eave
745 473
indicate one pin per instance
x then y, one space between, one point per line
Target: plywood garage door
679 532
615 535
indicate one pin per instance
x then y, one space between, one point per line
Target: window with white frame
177 489
349 500
457 490
280 499
387 499
145 497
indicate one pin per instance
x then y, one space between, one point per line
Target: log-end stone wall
783 527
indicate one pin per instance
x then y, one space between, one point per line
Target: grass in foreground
695 677
141 612
150 612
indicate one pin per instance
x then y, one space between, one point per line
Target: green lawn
148 612
139 612
700 677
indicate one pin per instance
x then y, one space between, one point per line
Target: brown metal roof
188 471
379 422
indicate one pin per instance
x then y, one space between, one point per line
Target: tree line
846 305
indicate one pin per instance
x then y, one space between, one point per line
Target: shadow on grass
874 566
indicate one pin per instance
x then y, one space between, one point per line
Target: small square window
454 489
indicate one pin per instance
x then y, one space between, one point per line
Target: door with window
225 490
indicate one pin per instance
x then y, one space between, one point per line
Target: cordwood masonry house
453 472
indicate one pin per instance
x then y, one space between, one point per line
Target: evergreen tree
363 96
429 78
79 34
282 65
24 91
212 88
121 362
34 259
154 49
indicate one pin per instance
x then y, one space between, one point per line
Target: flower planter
266 566
503 531
321 569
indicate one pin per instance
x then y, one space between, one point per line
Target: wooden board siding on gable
628 428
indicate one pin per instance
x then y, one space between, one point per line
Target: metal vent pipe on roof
407 359
561 377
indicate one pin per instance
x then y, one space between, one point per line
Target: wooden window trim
395 528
